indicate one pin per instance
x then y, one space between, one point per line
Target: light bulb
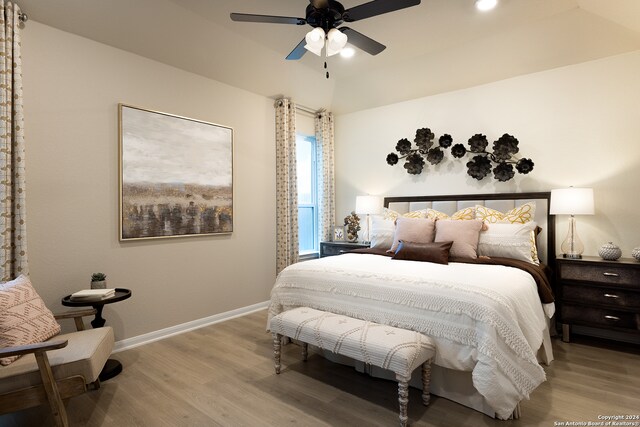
347 52
485 5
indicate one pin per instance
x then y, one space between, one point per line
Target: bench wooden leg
426 379
403 399
305 351
276 350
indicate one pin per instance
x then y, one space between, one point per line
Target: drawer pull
611 296
611 274
614 318
342 251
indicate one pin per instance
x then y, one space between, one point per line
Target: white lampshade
336 40
315 40
369 205
572 201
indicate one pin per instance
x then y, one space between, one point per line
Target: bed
489 324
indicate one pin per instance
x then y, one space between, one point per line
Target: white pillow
381 233
509 241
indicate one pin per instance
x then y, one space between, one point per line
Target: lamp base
572 256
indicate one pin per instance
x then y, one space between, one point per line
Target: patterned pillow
391 214
518 215
24 319
462 214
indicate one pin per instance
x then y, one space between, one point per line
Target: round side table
112 367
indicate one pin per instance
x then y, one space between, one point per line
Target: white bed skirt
456 386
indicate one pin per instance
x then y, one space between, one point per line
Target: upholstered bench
398 350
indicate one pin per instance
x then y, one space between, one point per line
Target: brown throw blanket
542 274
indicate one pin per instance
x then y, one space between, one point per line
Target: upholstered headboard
502 202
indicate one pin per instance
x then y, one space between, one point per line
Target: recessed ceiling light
485 5
347 52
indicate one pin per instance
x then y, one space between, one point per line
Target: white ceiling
438 46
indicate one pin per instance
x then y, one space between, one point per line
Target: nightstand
597 293
337 248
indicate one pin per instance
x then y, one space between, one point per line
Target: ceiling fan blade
375 8
248 17
298 51
363 42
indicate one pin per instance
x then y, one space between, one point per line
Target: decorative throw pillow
462 214
464 234
516 241
24 319
381 233
436 252
391 214
518 215
418 230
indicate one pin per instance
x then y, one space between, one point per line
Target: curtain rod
307 109
304 109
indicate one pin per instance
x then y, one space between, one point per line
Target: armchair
60 368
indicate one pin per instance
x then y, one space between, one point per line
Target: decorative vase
99 284
636 253
610 252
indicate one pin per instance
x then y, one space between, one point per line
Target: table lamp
572 201
368 205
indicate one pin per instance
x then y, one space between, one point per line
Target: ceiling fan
325 16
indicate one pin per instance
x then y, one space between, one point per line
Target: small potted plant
98 281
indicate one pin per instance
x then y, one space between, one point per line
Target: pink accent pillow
24 319
464 234
416 230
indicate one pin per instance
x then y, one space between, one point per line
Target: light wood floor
222 375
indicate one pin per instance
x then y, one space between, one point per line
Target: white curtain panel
13 235
326 179
286 185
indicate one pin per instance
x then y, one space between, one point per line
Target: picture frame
338 234
175 175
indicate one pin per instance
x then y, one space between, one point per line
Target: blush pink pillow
416 230
464 234
24 319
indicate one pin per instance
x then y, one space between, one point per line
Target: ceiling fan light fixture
485 5
315 41
336 41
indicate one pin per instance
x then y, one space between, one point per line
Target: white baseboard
133 342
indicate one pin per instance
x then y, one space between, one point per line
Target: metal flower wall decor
501 160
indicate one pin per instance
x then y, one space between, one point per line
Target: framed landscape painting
176 175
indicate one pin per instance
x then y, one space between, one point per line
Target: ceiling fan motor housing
327 17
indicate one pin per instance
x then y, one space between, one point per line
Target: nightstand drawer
601 296
599 317
614 275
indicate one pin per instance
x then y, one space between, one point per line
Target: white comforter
483 318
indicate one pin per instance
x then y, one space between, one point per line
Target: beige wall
71 90
580 124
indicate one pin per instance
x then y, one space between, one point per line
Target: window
307 194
